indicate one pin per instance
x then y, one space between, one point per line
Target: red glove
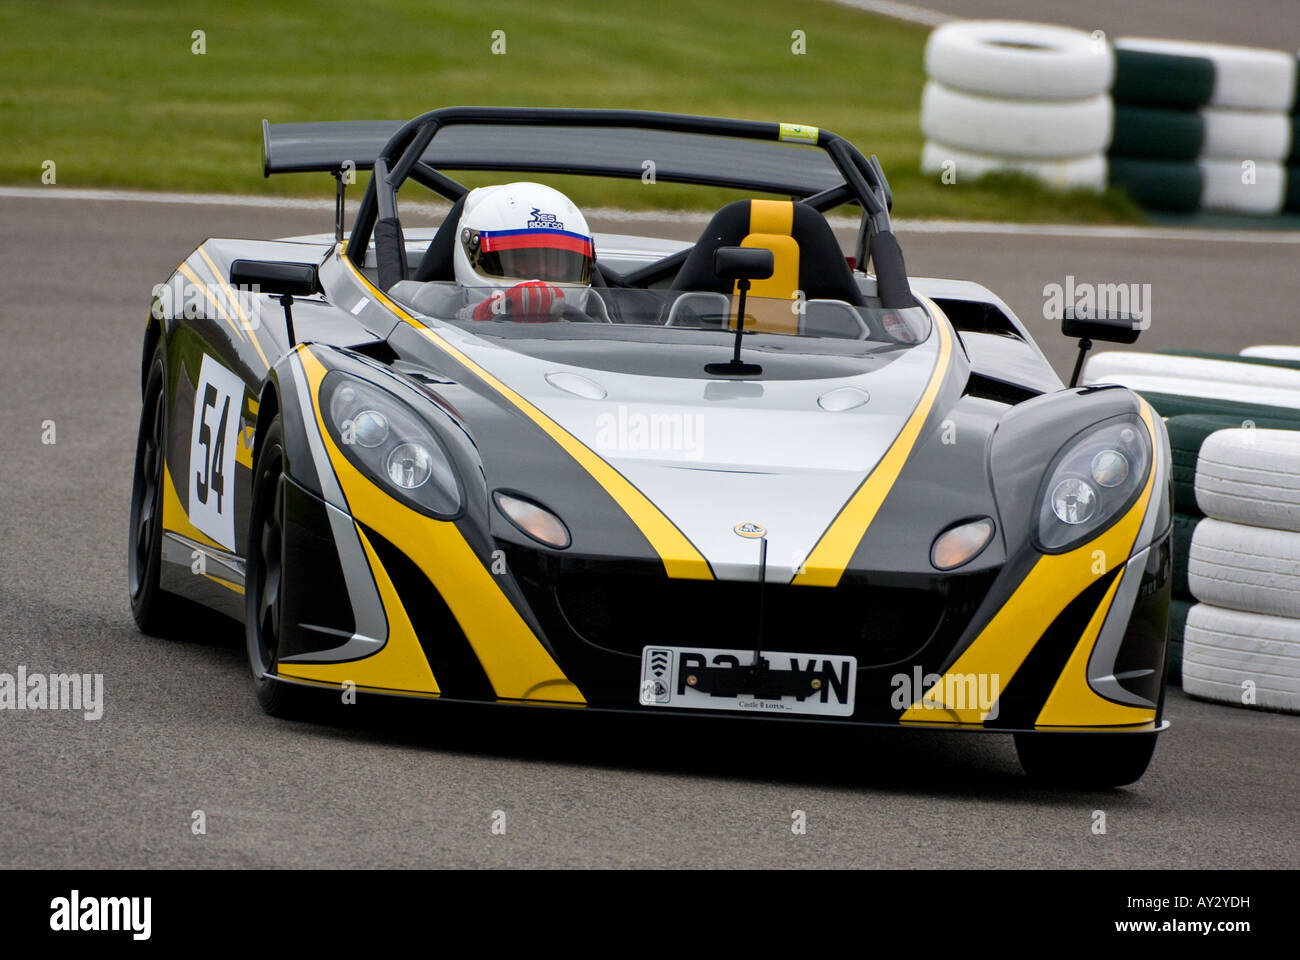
531 301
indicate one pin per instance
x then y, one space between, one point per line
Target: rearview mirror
275 277
1089 325
1106 325
743 263
279 279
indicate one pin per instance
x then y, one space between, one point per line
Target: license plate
704 678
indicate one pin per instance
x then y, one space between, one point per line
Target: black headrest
823 271
438 262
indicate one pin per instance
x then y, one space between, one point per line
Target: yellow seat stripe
826 563
680 557
771 223
771 216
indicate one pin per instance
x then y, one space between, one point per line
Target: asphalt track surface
404 787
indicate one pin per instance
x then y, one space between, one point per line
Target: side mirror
279 279
1101 325
1090 325
743 263
275 277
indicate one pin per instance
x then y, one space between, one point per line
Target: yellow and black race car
743 475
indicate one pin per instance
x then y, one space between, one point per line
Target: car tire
1276 402
1012 59
1085 760
1224 648
1117 364
1251 476
1223 188
1076 173
1254 569
1272 351
264 575
1016 128
1238 135
156 611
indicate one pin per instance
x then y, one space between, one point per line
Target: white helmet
523 231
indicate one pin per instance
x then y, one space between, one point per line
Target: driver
524 251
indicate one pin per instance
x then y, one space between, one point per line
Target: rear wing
791 167
323 147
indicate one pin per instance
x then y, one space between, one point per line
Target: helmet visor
556 256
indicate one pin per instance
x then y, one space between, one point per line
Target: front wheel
264 579
155 610
1086 760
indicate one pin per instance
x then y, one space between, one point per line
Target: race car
752 476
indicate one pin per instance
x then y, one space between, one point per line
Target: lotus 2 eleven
505 459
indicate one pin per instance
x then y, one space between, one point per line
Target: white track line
899 11
1059 230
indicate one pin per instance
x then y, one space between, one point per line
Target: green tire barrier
1177 626
1183 186
1162 79
1186 434
1188 114
1184 525
1241 78
1170 185
1155 133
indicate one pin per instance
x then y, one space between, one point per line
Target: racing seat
437 263
807 258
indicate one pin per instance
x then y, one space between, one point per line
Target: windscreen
799 323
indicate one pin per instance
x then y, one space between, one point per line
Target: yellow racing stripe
175 517
680 557
399 665
831 555
1072 701
194 279
234 299
516 663
1053 582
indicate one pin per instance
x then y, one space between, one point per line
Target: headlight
534 520
387 441
1093 481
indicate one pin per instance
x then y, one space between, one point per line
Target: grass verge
115 94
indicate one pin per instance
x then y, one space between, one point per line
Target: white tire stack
1234 434
1242 641
1026 97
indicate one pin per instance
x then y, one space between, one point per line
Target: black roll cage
400 159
